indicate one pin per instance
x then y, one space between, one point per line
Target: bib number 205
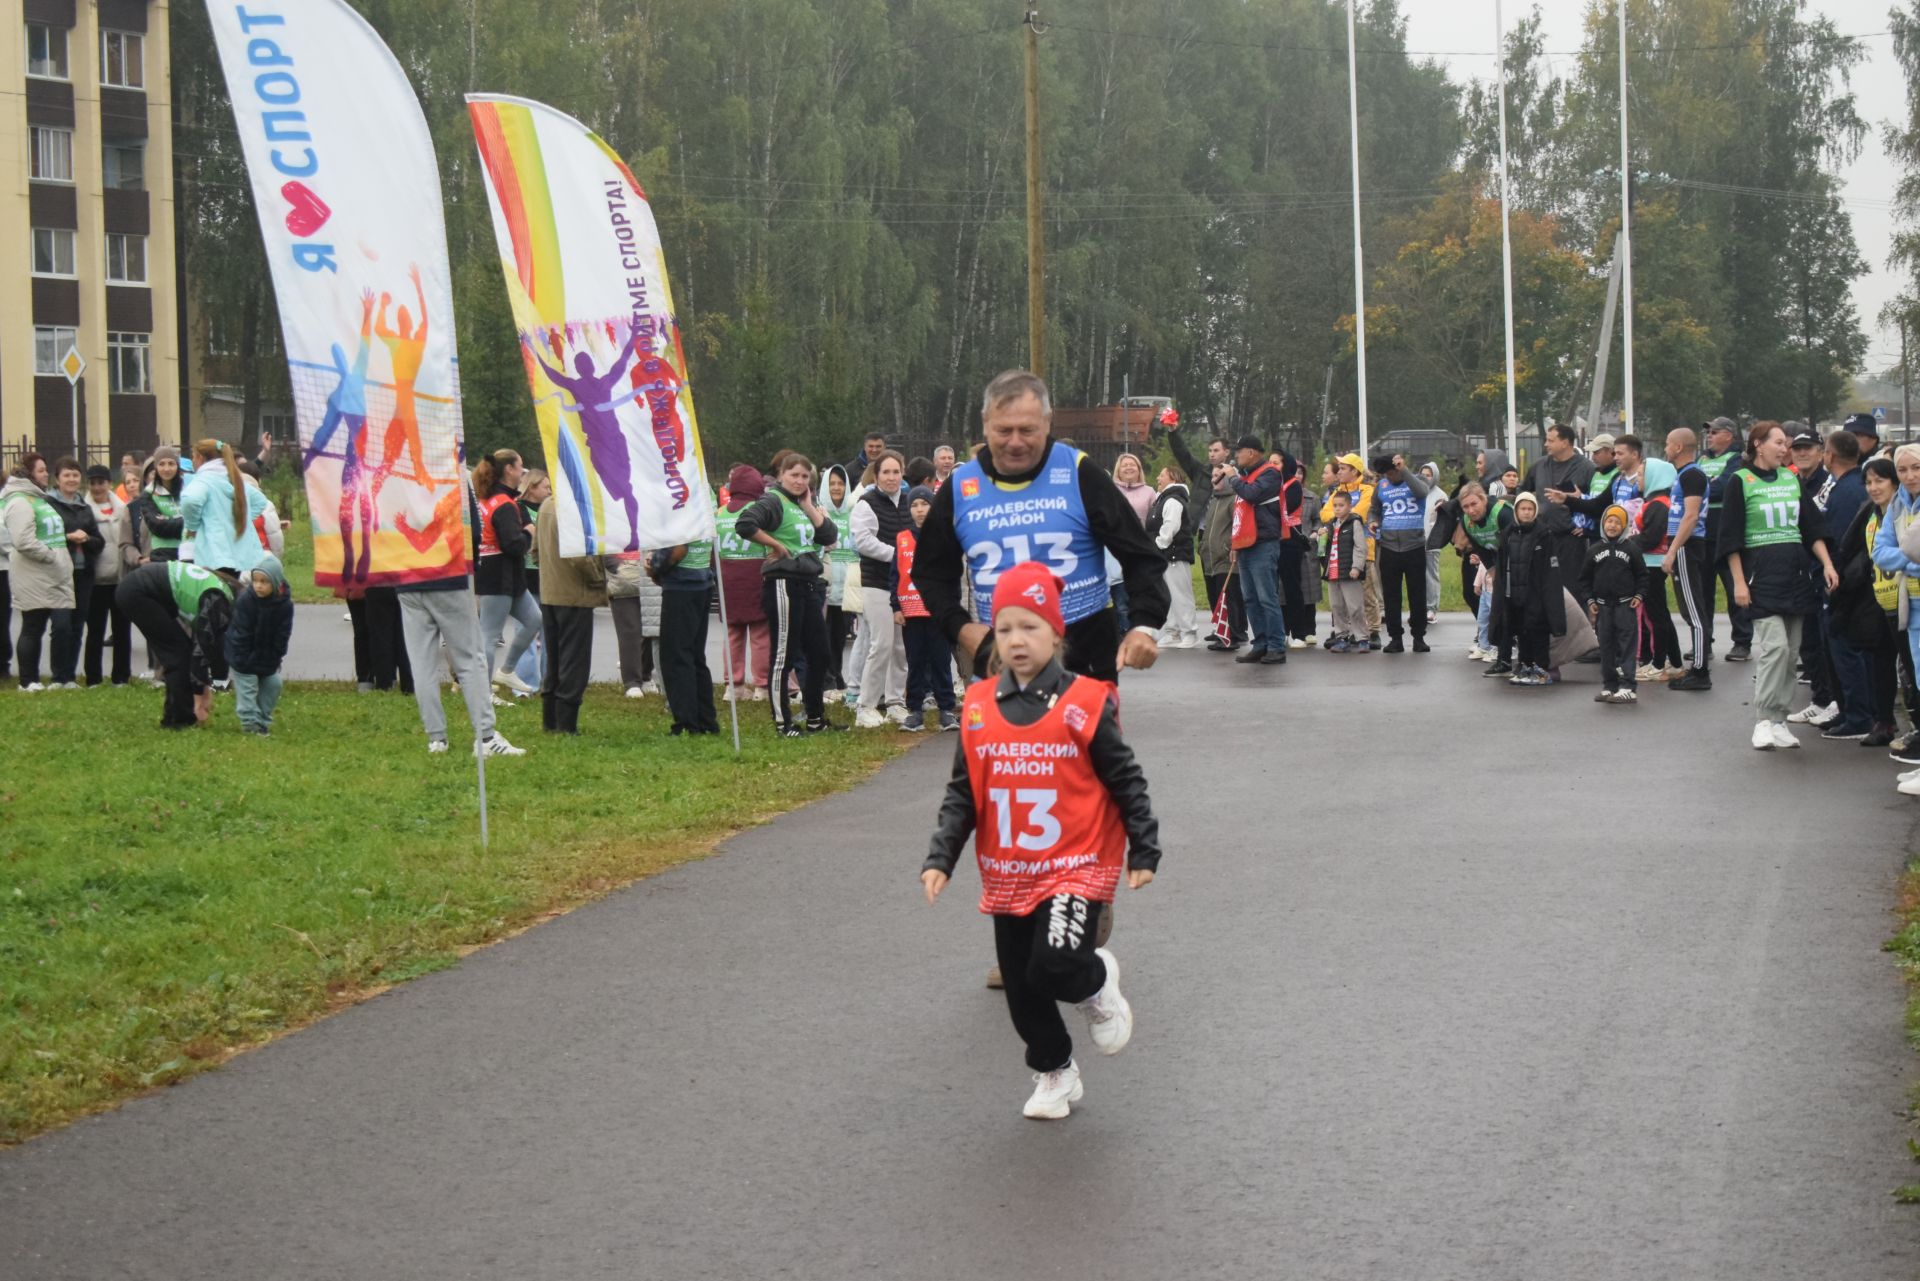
1039 829
988 558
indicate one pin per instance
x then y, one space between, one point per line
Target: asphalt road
1440 980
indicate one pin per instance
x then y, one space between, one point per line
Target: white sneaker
1054 1093
1763 736
498 746
1815 714
1295 643
634 691
867 718
1109 1017
513 682
650 687
436 747
34 687
1907 774
1473 653
1782 736
498 701
1908 786
759 694
897 713
1646 672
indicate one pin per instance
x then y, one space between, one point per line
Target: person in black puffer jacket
878 517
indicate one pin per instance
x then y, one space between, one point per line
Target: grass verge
167 899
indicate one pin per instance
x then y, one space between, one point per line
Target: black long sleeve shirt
1113 762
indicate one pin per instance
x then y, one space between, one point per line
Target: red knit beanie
1031 586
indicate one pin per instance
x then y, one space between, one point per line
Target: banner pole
726 641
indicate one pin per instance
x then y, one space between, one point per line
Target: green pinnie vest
46 521
1773 508
842 549
168 506
796 531
699 555
1485 533
729 545
190 584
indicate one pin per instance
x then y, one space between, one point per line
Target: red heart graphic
309 212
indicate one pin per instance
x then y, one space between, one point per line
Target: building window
46 51
123 166
127 364
123 59
52 251
220 339
126 259
277 423
50 342
52 153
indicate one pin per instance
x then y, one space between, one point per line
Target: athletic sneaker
436 747
1497 668
1878 736
1394 646
1844 732
1474 653
1814 714
949 721
1763 736
1782 736
867 718
1433 616
1646 672
914 722
1696 679
897 713
1627 696
824 726
1357 646
852 698
1109 1016
1339 645
994 980
499 746
1054 1093
1604 696
1908 787
1904 775
1739 654
513 682
1906 748
33 687
634 691
1328 643
1298 643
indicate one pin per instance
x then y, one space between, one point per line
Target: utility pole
1036 248
1626 239
1506 231
1906 385
1359 266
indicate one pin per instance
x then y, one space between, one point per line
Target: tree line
840 188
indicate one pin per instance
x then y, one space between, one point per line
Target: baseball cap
1806 440
1602 441
1031 586
1721 424
1250 442
1353 460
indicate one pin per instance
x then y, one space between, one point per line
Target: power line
1341 50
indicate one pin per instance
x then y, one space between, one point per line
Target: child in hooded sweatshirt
1346 571
1530 593
929 660
1613 579
257 642
1057 806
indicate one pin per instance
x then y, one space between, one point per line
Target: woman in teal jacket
218 508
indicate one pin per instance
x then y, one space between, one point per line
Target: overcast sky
1447 28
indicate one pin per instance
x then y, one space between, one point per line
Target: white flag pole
1506 232
1359 266
726 641
1626 237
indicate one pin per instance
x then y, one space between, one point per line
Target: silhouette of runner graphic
592 399
406 349
347 406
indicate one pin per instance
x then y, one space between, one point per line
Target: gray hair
1013 385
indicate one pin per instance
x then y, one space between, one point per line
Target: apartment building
86 228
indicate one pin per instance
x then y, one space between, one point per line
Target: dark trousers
683 660
6 624
1410 568
1854 683
1742 619
103 608
567 632
66 645
1813 655
1884 666
797 621
1468 572
154 614
1693 587
1618 627
379 646
839 632
1663 644
34 625
1294 605
1236 603
1047 957
1527 620
929 666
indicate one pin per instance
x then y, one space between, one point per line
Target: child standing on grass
257 642
1346 536
929 660
1056 804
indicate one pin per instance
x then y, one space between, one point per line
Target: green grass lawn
166 898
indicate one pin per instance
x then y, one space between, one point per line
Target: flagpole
1626 237
1359 266
726 642
1506 231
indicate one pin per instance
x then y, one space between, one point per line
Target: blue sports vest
1043 520
1678 504
1399 509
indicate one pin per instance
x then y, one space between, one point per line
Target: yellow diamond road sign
72 365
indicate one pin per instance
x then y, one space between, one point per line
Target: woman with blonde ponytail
218 507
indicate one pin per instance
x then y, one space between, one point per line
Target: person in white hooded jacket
1436 503
39 566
